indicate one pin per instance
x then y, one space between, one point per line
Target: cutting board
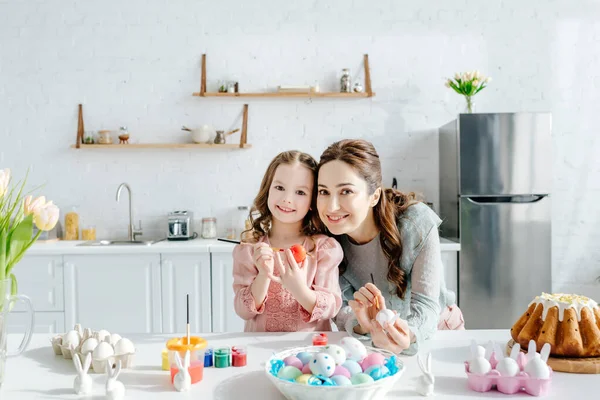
582 365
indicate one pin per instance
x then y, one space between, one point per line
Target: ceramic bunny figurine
536 363
508 366
478 364
182 380
114 389
427 380
83 382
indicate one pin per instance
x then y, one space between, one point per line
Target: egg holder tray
98 364
508 384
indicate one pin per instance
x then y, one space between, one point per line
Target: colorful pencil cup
196 347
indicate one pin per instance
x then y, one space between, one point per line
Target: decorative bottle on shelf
345 84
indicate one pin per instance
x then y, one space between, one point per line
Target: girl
391 251
273 293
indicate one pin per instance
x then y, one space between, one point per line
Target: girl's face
290 193
343 199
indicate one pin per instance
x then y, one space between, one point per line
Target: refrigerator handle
517 199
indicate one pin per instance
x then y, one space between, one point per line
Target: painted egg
322 364
372 359
289 373
305 357
306 369
337 352
341 380
303 379
377 371
355 350
353 367
293 361
339 370
384 316
359 379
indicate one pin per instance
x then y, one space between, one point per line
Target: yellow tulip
4 180
46 216
30 206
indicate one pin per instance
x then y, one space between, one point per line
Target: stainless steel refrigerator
495 181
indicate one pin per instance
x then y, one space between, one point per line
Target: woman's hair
260 215
363 158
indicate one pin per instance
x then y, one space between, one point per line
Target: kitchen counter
38 373
188 246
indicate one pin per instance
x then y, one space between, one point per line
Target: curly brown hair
260 215
363 158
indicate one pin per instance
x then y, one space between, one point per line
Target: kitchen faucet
132 231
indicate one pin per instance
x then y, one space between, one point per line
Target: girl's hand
291 276
263 259
365 307
392 337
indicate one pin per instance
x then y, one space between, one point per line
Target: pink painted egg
339 370
372 359
293 361
306 369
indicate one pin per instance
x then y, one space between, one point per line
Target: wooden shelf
285 94
161 146
367 93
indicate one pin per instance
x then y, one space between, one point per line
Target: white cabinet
450 261
184 274
44 322
118 292
224 318
41 279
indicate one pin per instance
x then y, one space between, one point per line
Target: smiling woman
391 249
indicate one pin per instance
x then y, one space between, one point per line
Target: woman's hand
365 307
263 259
392 337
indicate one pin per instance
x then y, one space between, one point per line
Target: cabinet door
224 318
117 292
44 322
184 274
41 279
450 261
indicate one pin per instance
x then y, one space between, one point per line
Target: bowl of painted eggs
348 370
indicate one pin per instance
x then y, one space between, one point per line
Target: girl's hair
260 215
363 158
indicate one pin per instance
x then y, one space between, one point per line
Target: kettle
220 138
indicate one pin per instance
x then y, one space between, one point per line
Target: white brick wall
137 62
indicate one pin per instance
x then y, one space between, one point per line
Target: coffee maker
181 225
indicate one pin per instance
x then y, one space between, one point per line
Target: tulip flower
4 181
46 216
30 206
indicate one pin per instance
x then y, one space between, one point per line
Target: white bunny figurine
427 380
478 364
508 366
536 363
182 380
83 382
114 389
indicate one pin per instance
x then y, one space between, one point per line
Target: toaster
181 225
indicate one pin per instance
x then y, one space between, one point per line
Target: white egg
507 367
355 350
337 352
114 338
536 368
89 345
480 366
102 351
384 316
102 334
322 364
71 338
124 346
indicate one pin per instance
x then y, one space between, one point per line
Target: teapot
220 138
204 134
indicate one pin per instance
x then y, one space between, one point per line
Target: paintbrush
376 297
188 317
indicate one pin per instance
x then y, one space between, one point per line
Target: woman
392 255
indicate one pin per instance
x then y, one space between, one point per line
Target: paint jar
319 339
196 348
208 357
222 357
238 356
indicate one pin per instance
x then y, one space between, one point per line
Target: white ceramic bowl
365 391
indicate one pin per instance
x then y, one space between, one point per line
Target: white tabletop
39 374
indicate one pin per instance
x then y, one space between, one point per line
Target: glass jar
105 137
209 228
88 233
72 225
239 223
345 84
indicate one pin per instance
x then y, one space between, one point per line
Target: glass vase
470 106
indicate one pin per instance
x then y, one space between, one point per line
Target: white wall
136 63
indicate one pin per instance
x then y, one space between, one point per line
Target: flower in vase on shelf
18 215
468 84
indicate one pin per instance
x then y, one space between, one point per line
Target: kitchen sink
121 242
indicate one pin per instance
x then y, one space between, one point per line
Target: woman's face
343 198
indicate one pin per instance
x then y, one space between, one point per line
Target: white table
39 374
